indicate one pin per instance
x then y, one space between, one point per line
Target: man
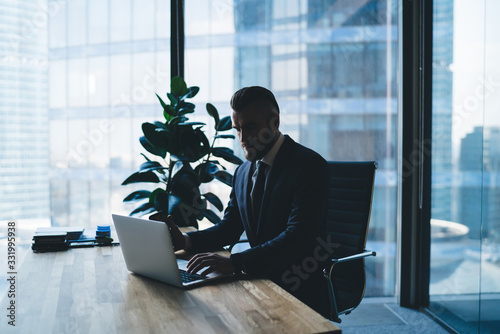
279 199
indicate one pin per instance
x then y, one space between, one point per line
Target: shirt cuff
237 263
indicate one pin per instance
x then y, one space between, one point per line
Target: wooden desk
89 290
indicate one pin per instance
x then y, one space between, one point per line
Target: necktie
258 188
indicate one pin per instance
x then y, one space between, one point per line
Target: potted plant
187 161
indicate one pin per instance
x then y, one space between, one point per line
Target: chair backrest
349 206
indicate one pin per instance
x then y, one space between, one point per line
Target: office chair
349 205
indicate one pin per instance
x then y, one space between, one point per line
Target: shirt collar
271 155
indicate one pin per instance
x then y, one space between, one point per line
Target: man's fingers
195 257
170 221
206 263
196 262
159 216
209 270
203 261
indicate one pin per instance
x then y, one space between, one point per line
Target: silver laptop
147 249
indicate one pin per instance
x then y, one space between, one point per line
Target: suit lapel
244 199
279 163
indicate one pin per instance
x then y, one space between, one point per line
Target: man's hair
247 95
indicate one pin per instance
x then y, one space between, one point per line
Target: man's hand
178 240
213 262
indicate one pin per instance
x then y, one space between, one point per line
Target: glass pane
57 84
98 22
120 20
465 243
98 85
77 22
143 20
143 77
490 246
332 66
58 30
68 90
163 20
77 82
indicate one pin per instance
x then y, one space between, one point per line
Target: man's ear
275 122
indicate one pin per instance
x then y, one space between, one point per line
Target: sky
476 67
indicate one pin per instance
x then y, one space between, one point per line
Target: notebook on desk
147 250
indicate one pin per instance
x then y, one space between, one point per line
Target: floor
384 315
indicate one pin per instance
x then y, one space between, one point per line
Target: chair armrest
354 257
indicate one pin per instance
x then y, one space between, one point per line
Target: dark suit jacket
292 218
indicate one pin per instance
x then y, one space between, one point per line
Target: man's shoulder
302 152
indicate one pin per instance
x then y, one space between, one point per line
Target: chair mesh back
349 205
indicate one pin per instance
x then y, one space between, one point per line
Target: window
465 224
95 66
334 77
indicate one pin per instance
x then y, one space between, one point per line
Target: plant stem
209 152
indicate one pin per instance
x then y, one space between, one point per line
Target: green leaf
191 92
160 125
178 86
185 215
163 104
178 165
165 202
225 124
168 113
217 162
145 157
184 111
214 200
159 137
143 209
185 185
160 201
151 148
155 193
185 108
142 177
192 123
177 120
151 165
224 177
205 171
172 98
192 144
137 195
204 177
225 136
212 111
211 216
226 154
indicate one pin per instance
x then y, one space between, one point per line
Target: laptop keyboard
187 277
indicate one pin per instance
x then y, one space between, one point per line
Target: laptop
148 251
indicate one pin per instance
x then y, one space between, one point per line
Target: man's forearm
187 242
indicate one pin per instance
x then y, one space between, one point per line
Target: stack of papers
72 232
52 239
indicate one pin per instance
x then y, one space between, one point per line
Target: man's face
257 129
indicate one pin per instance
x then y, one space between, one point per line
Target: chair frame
328 272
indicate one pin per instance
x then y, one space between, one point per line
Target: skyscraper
24 140
442 109
479 160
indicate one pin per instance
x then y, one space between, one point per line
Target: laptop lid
147 249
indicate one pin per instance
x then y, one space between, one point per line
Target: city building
24 136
